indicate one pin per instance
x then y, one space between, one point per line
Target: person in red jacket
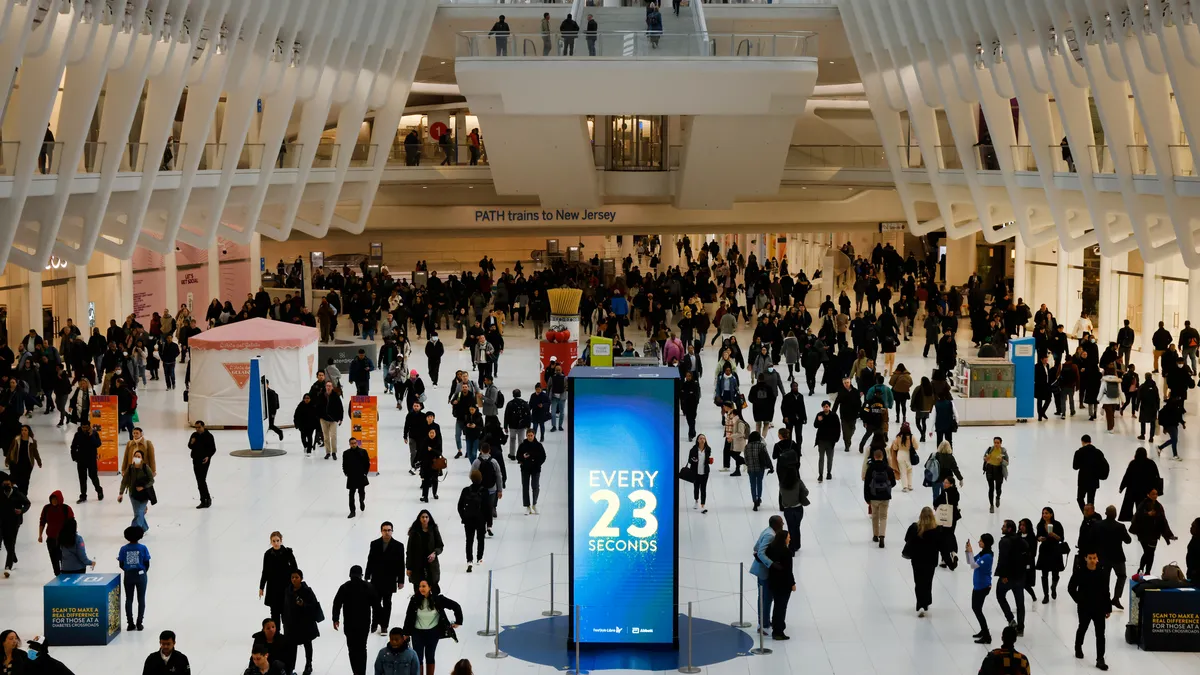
54 514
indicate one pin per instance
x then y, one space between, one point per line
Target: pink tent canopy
255 334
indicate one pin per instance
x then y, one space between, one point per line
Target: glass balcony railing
8 157
363 155
1140 160
434 154
836 157
1101 159
1023 158
327 154
634 45
1182 162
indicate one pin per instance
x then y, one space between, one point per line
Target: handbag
687 473
439 464
913 458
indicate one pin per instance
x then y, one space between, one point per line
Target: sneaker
921 613
703 510
469 568
479 562
527 510
534 507
983 640
490 535
725 470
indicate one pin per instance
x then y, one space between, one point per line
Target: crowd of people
675 314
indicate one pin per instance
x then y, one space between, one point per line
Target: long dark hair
415 528
926 386
1028 524
68 532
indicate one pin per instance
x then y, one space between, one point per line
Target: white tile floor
852 613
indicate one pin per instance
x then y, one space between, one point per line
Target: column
255 262
1020 271
1062 299
1193 310
126 303
33 303
81 300
1151 308
172 274
1107 323
960 260
214 273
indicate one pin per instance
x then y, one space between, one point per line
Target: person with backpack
877 404
516 421
531 455
1110 396
793 494
493 476
1006 660
940 466
981 584
1089 461
878 481
1189 341
829 430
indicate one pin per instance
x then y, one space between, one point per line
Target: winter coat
278 565
300 612
1051 552
356 464
1140 477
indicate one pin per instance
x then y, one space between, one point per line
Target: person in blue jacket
397 657
761 566
134 560
981 584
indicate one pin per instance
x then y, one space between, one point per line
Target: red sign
103 414
240 372
364 425
437 129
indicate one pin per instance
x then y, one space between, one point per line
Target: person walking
1149 525
1147 402
329 408
1052 550
203 447
495 477
781 581
793 494
1010 570
134 561
591 33
424 550
22 455
272 399
138 481
472 502
427 622
878 481
1028 536
301 614
531 455
1089 461
901 382
737 434
922 402
1170 418
356 464
360 604
700 459
1141 476
166 659
995 470
278 564
277 646
306 420
385 572
397 657
829 430
947 467
981 584
922 544
50 523
431 462
516 421
900 456
1113 537
85 452
13 506
758 463
1088 587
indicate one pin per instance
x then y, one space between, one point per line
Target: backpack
1112 389
472 504
488 469
933 470
879 485
499 399
132 399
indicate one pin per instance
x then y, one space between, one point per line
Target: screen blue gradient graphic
624 509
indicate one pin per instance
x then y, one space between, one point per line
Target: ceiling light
424 187
443 63
831 63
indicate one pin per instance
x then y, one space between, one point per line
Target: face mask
433 339
137 462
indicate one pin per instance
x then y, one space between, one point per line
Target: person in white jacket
1082 325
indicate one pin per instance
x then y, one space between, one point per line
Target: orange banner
103 414
364 425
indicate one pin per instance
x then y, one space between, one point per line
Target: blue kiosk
82 609
1023 354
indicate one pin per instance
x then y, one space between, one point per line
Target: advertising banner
1170 620
364 425
82 609
623 454
103 414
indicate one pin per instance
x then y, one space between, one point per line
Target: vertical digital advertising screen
624 505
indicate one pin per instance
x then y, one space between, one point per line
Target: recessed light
803 188
470 187
830 63
424 187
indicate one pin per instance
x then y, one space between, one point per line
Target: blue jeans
539 428
473 449
458 431
556 411
756 485
1172 440
937 490
135 582
764 594
425 644
139 514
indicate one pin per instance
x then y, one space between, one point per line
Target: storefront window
637 143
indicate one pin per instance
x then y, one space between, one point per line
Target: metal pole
487 629
497 654
760 649
689 668
741 622
578 668
551 611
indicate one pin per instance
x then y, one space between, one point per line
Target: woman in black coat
301 614
1148 400
422 560
1051 552
278 564
1140 477
1026 532
427 623
922 544
700 459
426 461
356 464
1149 525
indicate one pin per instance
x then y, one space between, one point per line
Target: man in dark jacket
166 661
1160 341
829 429
272 407
359 601
13 506
1089 589
85 448
1089 461
689 401
360 374
203 446
170 354
329 406
385 571
516 421
1113 537
473 511
794 415
1043 378
848 404
531 455
1010 569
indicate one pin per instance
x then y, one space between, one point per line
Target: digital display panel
624 506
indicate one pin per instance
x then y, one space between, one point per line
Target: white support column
172 274
214 273
1151 308
126 304
307 272
1106 322
33 302
1062 298
1020 271
1193 297
255 262
81 300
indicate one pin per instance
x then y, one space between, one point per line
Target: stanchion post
760 649
551 611
741 622
487 628
497 654
689 668
578 668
